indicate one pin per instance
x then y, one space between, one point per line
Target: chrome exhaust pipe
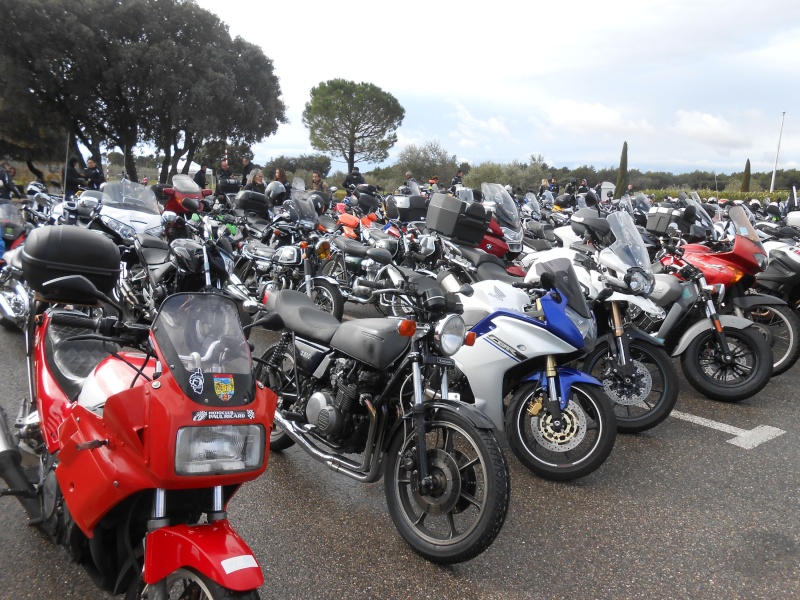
11 472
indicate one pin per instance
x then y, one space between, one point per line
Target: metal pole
775 169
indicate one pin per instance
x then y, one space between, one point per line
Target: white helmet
510 190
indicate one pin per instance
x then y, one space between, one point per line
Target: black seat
349 246
479 257
301 315
154 256
488 271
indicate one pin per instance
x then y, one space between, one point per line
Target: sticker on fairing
222 415
237 563
223 387
196 381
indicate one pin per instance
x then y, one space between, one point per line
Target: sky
689 84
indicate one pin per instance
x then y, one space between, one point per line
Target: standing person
255 181
583 188
354 178
598 189
318 184
94 175
280 175
554 187
200 176
434 183
72 179
543 188
409 178
7 185
457 180
224 171
247 167
630 190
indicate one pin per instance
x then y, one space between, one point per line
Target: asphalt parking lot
704 505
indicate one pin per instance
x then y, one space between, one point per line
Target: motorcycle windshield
628 245
202 340
533 205
505 209
641 202
129 195
465 195
625 204
566 282
547 199
300 208
702 215
10 216
743 227
185 184
298 183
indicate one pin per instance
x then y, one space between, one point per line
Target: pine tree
622 176
746 177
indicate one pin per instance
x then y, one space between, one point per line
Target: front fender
634 333
750 300
567 377
330 280
705 323
215 550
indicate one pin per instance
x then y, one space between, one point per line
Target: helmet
275 192
510 190
319 202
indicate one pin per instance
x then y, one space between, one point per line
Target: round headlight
323 249
639 282
449 333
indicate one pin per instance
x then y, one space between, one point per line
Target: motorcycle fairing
566 377
213 549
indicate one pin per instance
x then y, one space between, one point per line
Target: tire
704 371
334 269
555 455
188 583
650 395
328 297
780 326
463 516
279 381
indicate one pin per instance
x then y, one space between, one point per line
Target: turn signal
737 273
407 327
266 295
469 339
304 245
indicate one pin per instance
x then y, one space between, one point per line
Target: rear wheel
280 379
187 583
327 296
780 326
744 374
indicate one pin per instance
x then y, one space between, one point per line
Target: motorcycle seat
478 257
154 256
349 246
301 315
379 234
538 245
73 361
489 270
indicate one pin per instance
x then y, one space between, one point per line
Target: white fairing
566 235
488 296
535 257
778 245
485 364
140 221
793 219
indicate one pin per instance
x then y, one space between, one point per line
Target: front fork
553 400
711 313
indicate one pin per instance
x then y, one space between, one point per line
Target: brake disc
565 439
631 392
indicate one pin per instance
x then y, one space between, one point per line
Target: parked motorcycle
125 459
378 388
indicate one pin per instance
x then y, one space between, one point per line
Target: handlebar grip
418 257
374 285
524 285
76 320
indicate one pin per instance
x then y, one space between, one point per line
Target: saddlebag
463 221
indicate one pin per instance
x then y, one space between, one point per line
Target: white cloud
571 116
709 129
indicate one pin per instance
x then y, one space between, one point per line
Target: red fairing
516 270
723 268
214 550
52 404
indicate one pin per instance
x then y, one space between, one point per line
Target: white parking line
744 438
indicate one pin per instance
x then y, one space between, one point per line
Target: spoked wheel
645 398
328 298
561 452
186 584
780 326
335 268
459 517
281 381
742 374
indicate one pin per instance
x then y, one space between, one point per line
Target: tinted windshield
566 283
504 207
300 207
742 225
202 341
185 184
131 196
628 245
9 215
533 205
298 183
547 199
702 216
465 195
641 202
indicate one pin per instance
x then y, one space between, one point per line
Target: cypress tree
746 177
622 176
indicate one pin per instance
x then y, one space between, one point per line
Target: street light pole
774 170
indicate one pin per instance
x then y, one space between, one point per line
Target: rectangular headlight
220 449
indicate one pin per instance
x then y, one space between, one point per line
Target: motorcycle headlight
323 250
639 282
220 449
762 261
125 231
511 235
587 327
228 261
449 334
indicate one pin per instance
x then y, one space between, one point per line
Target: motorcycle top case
466 222
227 186
250 201
659 218
61 250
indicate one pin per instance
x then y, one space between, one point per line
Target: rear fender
567 377
214 549
750 300
700 326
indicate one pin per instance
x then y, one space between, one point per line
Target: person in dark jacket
280 175
72 179
354 178
554 187
224 171
457 180
94 175
247 167
200 176
7 185
255 182
583 188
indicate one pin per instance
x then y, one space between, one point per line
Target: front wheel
780 326
464 511
745 372
644 398
280 379
187 583
328 297
573 449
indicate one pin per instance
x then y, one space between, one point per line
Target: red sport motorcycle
128 459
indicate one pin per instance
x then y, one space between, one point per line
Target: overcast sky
689 84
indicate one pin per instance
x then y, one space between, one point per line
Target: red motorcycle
128 459
733 265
